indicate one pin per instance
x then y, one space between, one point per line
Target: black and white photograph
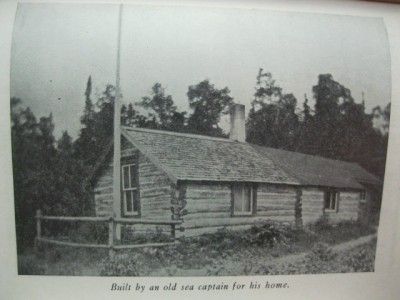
164 141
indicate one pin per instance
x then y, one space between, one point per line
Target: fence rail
112 224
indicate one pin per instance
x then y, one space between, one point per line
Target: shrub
339 232
362 260
81 232
322 224
91 232
321 252
268 234
119 265
131 235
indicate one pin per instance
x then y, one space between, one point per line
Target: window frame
130 188
336 198
253 199
363 196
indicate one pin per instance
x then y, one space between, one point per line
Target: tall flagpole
117 134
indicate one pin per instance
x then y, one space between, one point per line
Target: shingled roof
196 157
319 171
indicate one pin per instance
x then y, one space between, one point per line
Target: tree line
52 174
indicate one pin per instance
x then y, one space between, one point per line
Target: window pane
327 203
135 199
334 197
125 171
237 198
247 199
242 198
132 170
128 200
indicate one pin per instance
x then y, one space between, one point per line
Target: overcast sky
57 46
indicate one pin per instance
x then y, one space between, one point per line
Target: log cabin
211 182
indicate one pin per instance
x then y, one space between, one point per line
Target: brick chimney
238 130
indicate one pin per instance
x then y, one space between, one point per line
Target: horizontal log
274 194
159 212
103 207
341 214
101 184
71 244
103 190
119 247
103 196
73 219
271 213
349 206
202 230
275 202
150 222
143 228
201 201
274 207
312 194
207 208
213 198
311 190
308 201
254 221
154 194
269 188
231 221
312 210
155 188
158 200
151 175
205 215
155 210
155 202
207 187
208 202
104 202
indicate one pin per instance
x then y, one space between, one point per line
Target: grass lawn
263 249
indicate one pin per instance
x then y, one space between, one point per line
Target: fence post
38 228
173 231
111 235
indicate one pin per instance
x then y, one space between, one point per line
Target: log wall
103 192
312 203
313 206
154 187
155 191
209 207
348 210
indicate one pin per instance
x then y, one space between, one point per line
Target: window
243 196
331 201
130 192
363 195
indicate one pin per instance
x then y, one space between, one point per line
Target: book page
200 149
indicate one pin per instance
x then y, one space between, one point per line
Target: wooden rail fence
112 223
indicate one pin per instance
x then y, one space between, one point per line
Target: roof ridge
311 155
174 133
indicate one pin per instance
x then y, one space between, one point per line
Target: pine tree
272 119
87 136
208 104
160 107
